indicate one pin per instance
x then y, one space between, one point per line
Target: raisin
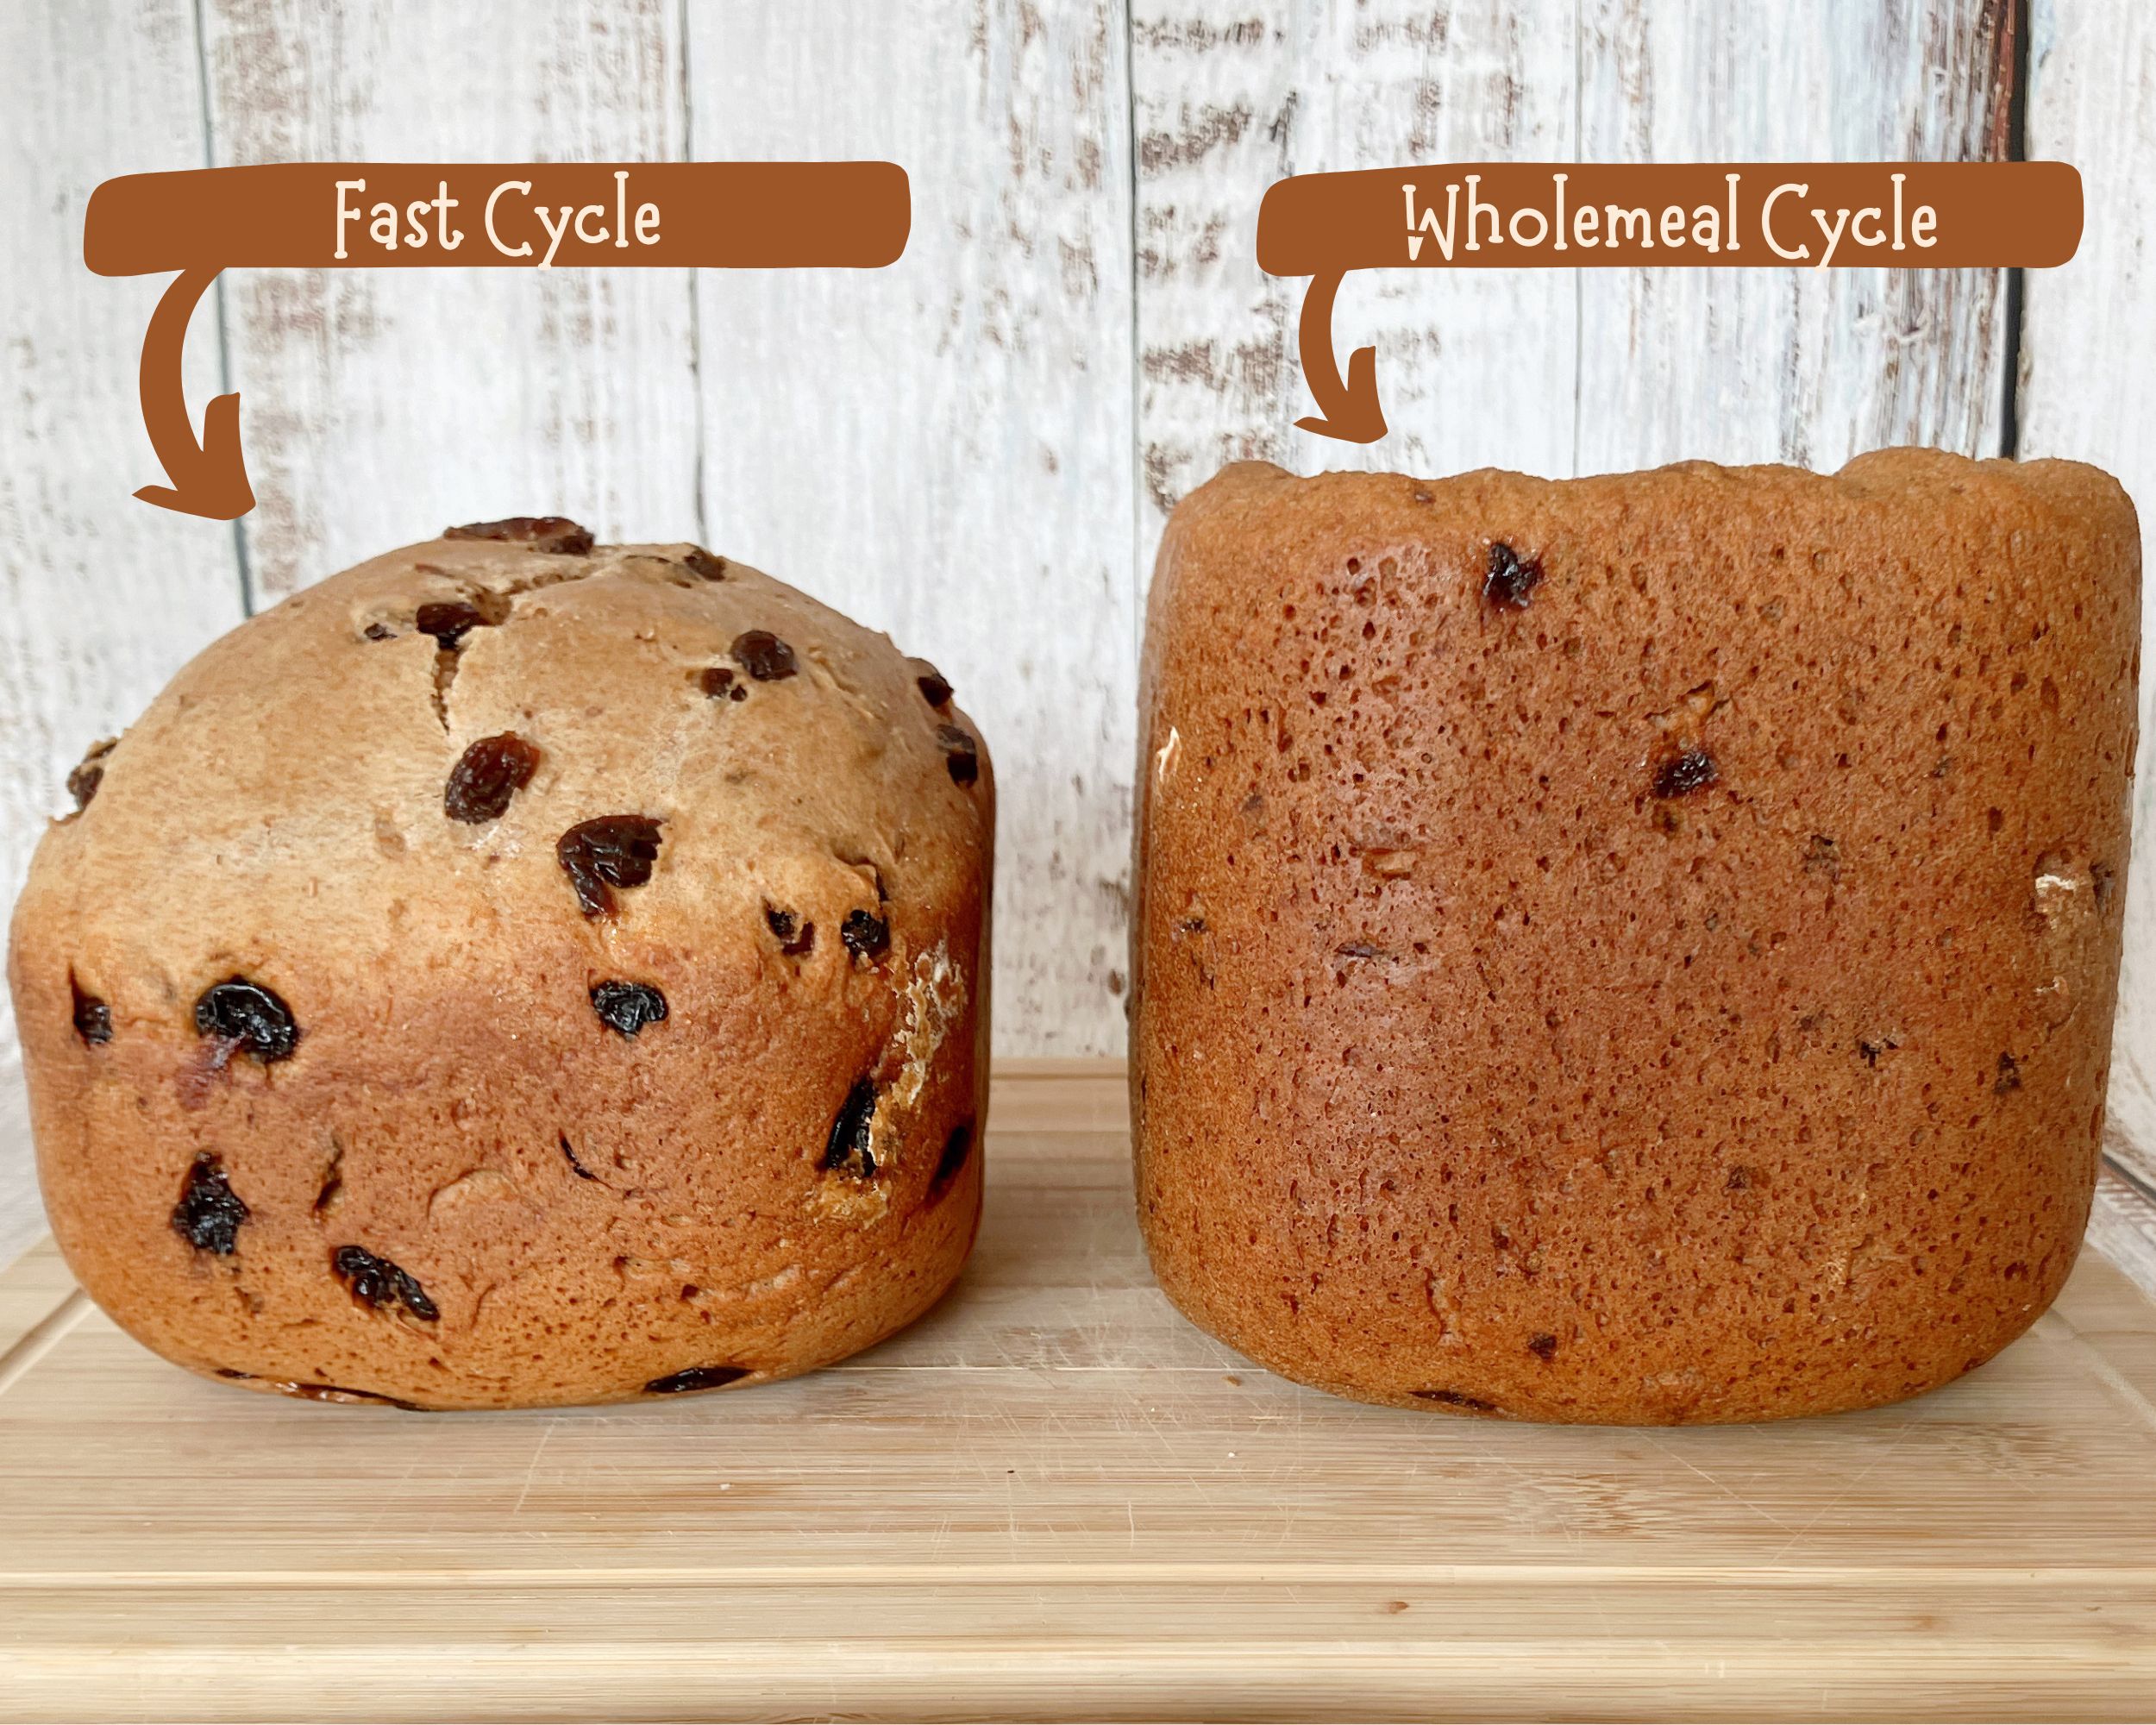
541 532
90 773
763 655
628 1006
93 1018
1510 578
376 1283
209 1213
380 631
868 937
569 1150
486 775
847 1150
718 680
1682 774
696 1378
702 563
1453 1398
958 1152
2010 1078
1544 1346
934 690
249 1016
796 938
448 621
612 851
962 754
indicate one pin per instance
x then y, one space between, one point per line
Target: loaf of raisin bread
519 972
1638 950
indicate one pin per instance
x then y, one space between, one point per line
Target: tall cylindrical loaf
1636 950
517 971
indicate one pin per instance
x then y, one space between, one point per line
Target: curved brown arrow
1346 410
208 479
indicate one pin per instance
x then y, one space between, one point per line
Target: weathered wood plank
103 596
1473 370
943 448
2088 357
379 406
1806 367
2122 1227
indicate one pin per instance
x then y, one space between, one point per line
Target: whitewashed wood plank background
976 448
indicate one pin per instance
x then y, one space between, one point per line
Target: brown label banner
531 214
543 216
1674 215
1718 215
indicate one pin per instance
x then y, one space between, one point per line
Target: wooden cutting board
1054 1499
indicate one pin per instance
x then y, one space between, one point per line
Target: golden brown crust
1685 995
587 1212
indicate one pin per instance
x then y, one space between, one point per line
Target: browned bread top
595 935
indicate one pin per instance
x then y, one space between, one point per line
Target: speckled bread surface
1638 950
519 972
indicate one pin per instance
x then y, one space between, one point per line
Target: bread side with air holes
1639 949
519 972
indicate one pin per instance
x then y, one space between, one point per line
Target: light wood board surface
1054 1499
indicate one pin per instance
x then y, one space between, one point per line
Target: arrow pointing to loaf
1346 410
210 477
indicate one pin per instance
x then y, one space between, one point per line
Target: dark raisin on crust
627 1007
380 631
958 1152
1510 578
89 773
92 1017
1680 774
763 655
868 936
701 563
209 1213
376 1283
541 532
934 689
718 679
962 754
2010 1078
609 851
448 620
696 1378
796 938
1544 1346
569 1150
1453 1398
252 1019
848 1150
486 775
